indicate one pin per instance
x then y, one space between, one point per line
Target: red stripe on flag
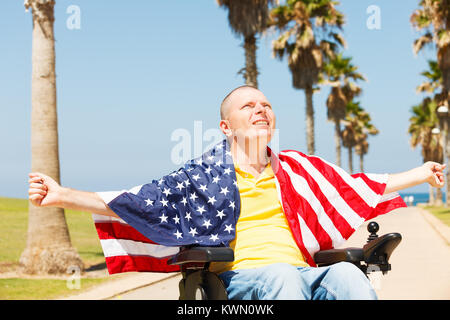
117 230
290 213
119 264
337 219
377 187
350 195
387 206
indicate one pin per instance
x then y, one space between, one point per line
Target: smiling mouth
261 123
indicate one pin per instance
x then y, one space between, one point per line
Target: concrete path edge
441 228
124 284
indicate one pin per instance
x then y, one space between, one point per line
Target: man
273 231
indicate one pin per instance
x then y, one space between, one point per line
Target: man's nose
259 108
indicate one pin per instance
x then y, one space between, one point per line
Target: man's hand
46 192
430 172
434 173
43 191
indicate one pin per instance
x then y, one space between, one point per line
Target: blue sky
137 71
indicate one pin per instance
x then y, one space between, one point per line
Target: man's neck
250 157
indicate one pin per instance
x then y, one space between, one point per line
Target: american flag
199 204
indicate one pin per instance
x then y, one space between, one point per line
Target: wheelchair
198 283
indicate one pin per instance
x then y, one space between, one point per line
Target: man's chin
259 135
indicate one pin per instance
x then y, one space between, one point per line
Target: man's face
248 114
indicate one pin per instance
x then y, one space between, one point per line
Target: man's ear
225 127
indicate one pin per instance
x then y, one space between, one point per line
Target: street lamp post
444 117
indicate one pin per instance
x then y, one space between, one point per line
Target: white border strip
121 247
98 218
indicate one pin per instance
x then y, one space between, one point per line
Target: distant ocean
417 198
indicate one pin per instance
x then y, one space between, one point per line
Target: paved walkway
419 264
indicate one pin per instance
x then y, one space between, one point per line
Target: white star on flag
178 234
212 200
193 231
179 186
201 209
193 196
163 218
228 228
220 214
224 191
207 223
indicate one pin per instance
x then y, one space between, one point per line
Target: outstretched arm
45 192
430 172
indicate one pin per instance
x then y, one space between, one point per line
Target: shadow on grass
96 267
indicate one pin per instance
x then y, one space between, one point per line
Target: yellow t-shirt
263 235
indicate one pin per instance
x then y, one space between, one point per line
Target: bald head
227 101
247 117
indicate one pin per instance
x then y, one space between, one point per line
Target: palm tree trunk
49 248
309 120
361 162
432 199
251 70
350 160
438 197
447 152
337 141
447 175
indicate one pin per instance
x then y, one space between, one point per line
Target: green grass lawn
441 213
13 234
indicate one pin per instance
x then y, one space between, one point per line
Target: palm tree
48 249
308 36
433 83
422 123
433 79
362 145
361 149
357 128
248 18
349 136
339 72
433 19
433 86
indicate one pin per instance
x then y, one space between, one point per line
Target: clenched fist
43 191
